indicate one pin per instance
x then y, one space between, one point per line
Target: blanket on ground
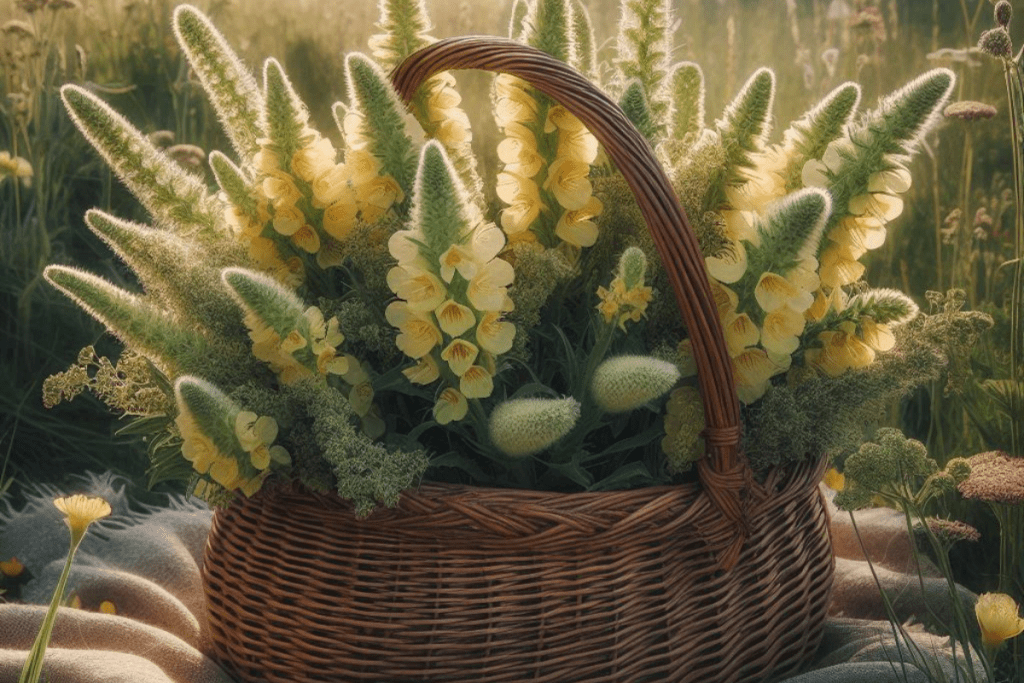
142 563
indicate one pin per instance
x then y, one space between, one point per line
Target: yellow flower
568 181
512 103
997 617
494 334
841 350
579 145
451 406
488 290
332 186
362 166
730 266
740 333
424 372
884 207
476 382
457 258
876 335
834 479
780 331
279 187
225 472
11 567
80 511
107 607
460 355
417 334
454 318
288 219
839 266
752 371
15 167
253 431
576 227
421 289
315 158
306 239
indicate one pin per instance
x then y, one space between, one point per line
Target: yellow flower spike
80 511
451 406
568 181
998 619
454 318
425 371
11 568
107 607
460 355
476 382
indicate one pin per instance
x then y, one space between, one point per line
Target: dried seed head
995 478
969 110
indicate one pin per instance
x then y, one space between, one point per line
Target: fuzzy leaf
746 122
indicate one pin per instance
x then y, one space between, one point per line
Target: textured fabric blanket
143 564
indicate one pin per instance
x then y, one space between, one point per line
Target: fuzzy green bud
633 267
625 383
525 426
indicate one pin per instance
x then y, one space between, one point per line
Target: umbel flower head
998 619
80 511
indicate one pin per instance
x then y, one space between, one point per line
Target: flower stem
33 668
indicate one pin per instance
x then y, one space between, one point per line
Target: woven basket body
489 585
723 580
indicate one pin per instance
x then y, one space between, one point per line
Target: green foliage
368 473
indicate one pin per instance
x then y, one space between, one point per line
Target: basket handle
724 473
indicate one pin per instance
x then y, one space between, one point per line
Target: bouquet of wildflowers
353 310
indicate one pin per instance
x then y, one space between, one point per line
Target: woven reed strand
491 585
728 478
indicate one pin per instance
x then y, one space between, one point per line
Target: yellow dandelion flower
80 511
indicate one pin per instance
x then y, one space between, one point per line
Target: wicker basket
724 580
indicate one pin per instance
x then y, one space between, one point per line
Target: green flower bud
959 469
633 267
627 382
525 426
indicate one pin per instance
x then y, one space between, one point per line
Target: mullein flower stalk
177 200
452 290
227 82
79 513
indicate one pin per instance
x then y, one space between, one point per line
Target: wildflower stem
33 668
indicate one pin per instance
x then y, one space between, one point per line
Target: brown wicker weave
726 580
